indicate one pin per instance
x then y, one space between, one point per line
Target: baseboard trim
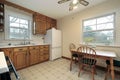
65 57
97 66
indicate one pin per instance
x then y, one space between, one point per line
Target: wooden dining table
106 55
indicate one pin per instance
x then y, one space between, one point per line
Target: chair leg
93 72
80 69
71 63
108 71
75 60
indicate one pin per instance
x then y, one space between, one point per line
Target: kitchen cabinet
48 23
51 23
54 23
1 17
44 53
8 52
20 57
27 55
33 55
39 24
42 23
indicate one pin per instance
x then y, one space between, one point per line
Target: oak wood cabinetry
33 55
1 17
8 52
27 55
39 24
51 23
42 23
44 53
20 57
54 23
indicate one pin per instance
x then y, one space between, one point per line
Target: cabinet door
54 23
48 25
34 55
20 57
40 23
40 27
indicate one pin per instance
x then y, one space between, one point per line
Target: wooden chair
116 63
74 56
88 59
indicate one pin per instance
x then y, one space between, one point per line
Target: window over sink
17 24
18 28
99 30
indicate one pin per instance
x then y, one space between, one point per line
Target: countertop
20 45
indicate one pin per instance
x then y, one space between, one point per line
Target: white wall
37 39
71 25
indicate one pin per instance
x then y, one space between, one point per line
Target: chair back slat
88 54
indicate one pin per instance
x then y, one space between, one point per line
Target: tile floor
57 70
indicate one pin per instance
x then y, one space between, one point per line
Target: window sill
111 46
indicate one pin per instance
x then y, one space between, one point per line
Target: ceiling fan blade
83 2
62 1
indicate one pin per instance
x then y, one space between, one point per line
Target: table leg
112 69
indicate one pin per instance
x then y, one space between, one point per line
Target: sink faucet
26 40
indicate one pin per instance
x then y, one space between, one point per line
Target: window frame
114 28
17 14
29 28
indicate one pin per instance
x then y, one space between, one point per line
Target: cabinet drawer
7 49
34 47
44 46
41 47
20 49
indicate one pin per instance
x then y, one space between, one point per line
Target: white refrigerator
53 37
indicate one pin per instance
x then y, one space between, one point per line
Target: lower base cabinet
44 53
26 56
34 55
8 52
20 57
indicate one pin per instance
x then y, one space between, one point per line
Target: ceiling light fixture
74 3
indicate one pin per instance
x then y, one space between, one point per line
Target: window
99 30
18 28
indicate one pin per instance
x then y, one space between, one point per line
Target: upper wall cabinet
39 24
1 17
51 23
42 23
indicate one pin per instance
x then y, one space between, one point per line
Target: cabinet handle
34 24
33 48
20 49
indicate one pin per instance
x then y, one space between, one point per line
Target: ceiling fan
74 3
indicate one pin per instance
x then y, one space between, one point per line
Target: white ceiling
51 8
